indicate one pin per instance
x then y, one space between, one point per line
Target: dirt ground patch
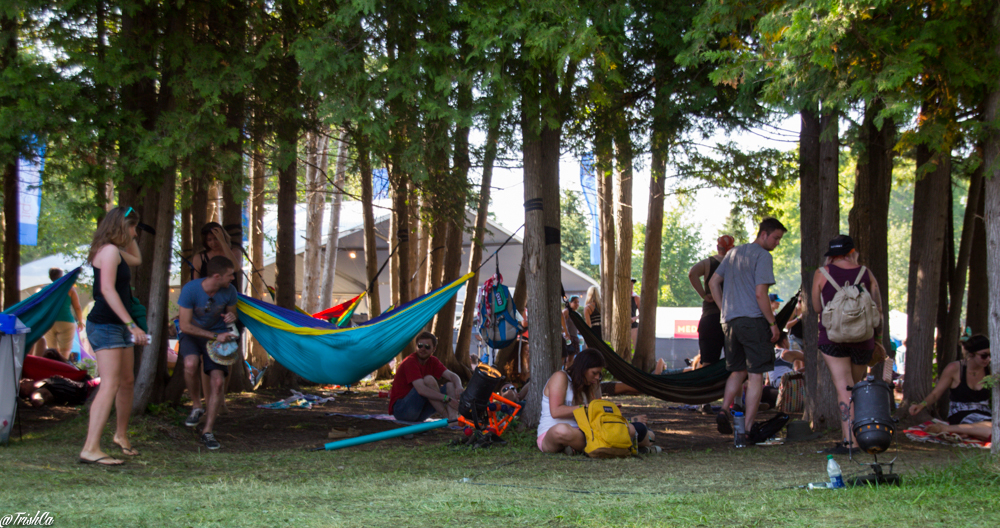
247 428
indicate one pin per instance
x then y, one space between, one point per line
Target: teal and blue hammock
322 352
39 311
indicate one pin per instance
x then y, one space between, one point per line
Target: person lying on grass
423 386
563 393
969 408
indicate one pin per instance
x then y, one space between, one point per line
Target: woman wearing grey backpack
847 360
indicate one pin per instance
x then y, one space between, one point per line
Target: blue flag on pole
380 184
589 184
30 195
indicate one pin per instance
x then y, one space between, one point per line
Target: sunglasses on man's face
424 345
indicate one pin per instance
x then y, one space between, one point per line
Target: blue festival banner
380 184
29 200
589 184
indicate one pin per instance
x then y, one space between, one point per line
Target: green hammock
39 311
704 385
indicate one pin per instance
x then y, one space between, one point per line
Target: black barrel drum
873 423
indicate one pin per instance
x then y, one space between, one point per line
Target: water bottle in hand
833 471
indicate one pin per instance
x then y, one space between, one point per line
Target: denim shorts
413 407
105 336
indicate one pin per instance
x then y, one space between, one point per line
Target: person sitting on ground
57 390
785 361
207 306
969 408
423 386
563 393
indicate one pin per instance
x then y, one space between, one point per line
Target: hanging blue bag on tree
498 322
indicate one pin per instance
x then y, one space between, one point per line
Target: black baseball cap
840 245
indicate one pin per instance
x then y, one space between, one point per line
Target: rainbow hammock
323 353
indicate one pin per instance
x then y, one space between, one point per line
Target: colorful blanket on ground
919 434
297 400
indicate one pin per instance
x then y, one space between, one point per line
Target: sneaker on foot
193 418
210 441
722 423
650 449
841 448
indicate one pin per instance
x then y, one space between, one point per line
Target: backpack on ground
762 431
851 316
606 430
497 315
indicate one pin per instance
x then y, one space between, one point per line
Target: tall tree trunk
12 246
621 328
645 346
401 214
444 321
159 295
541 241
991 160
978 306
869 219
287 130
371 248
925 269
316 191
187 230
333 237
476 250
11 236
603 164
821 402
414 229
953 282
256 353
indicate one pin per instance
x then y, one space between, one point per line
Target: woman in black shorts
848 362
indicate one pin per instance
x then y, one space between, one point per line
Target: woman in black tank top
969 408
112 332
216 242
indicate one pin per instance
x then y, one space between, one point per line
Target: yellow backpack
606 430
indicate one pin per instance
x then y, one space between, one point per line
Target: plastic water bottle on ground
833 471
739 430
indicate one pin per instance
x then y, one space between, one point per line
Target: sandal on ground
570 451
722 423
99 463
842 448
128 451
650 450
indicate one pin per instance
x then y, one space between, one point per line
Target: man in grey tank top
747 319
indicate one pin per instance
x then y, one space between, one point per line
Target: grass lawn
428 483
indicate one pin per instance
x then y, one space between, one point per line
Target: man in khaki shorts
747 319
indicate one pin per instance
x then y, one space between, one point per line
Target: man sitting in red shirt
423 386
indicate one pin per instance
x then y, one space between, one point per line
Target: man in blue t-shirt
207 305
